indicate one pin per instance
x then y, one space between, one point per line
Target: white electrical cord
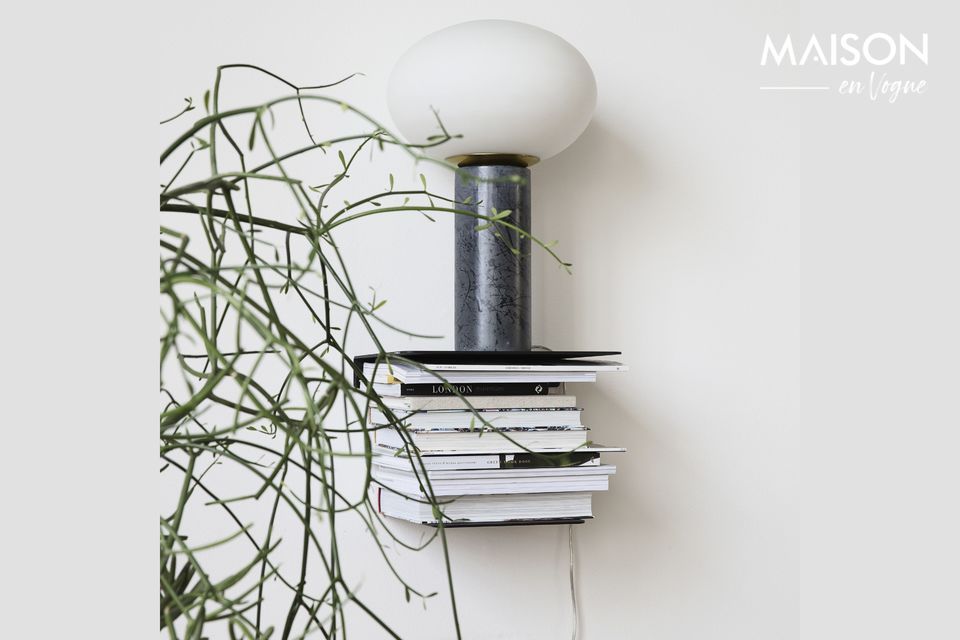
573 555
573 584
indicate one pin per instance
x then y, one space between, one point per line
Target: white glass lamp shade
505 87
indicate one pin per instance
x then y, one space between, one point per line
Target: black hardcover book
489 357
481 357
471 389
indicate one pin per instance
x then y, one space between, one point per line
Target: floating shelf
509 523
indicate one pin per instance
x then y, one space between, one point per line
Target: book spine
532 461
440 463
547 402
478 389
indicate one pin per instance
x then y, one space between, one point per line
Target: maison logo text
888 64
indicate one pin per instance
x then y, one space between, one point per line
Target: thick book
495 481
486 509
498 418
473 389
579 458
445 403
477 441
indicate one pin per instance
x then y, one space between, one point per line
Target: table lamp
513 94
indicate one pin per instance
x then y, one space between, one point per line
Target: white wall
780 270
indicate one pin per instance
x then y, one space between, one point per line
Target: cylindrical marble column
492 283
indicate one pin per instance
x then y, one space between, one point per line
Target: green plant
245 389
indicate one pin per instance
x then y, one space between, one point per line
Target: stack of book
493 436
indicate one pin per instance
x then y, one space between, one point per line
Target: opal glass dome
505 87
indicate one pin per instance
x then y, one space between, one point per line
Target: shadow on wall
579 201
606 203
584 200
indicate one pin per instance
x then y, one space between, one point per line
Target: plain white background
780 270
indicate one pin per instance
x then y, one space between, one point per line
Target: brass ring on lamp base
503 159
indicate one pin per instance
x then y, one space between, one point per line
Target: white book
488 441
418 376
498 418
389 458
519 475
441 403
398 459
497 481
495 508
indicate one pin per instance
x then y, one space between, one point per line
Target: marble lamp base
492 282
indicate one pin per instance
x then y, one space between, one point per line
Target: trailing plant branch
244 386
